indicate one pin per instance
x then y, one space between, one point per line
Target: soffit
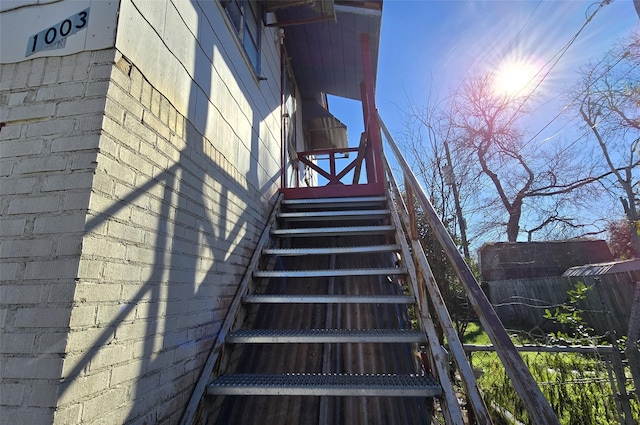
325 55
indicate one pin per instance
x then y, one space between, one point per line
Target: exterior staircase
326 325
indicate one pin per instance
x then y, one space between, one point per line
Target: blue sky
430 45
427 47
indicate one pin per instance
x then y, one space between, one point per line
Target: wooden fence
521 303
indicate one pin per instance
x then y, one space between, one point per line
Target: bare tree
520 172
427 139
608 101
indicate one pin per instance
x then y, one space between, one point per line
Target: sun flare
515 78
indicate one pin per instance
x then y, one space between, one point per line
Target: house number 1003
50 37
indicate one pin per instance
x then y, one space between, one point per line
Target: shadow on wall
176 339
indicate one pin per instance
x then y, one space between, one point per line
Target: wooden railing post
371 117
538 408
412 211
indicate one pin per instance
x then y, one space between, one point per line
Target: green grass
576 385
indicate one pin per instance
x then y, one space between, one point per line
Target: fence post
633 334
616 358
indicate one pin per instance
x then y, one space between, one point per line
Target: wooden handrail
536 404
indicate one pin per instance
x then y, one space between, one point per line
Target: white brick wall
48 150
130 208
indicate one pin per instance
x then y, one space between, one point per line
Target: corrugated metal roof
604 268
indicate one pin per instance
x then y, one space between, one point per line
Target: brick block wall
52 108
171 226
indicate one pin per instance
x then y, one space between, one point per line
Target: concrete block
97 293
42 164
114 111
120 75
34 204
159 126
47 270
10 132
145 93
27 112
82 66
97 88
70 90
100 72
84 161
37 70
69 246
111 355
75 180
155 102
119 313
51 342
12 226
76 143
50 128
113 249
89 123
21 75
136 127
80 107
140 254
82 386
165 106
20 147
7 72
85 339
67 66
59 224
39 317
26 415
43 394
11 394
90 269
76 201
42 367
51 70
18 99
17 343
139 164
137 334
29 248
136 83
126 101
126 372
104 56
121 272
9 271
68 414
6 167
83 316
161 361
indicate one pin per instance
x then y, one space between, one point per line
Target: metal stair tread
334 250
334 202
330 272
274 336
328 299
334 231
333 215
318 384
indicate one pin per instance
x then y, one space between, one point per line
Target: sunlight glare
515 78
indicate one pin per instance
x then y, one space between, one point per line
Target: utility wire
556 58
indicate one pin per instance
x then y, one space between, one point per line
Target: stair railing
536 404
